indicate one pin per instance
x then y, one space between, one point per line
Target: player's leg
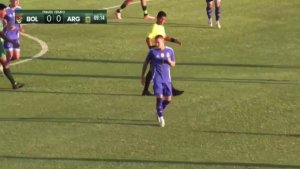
218 12
146 91
158 91
16 54
7 72
167 92
209 7
144 7
119 10
9 50
16 50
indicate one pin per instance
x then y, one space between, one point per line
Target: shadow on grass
66 92
178 63
149 24
185 79
251 133
128 122
148 162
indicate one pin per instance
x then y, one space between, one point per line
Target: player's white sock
162 121
210 23
118 15
219 24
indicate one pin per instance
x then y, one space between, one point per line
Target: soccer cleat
147 93
118 15
162 121
149 17
218 24
210 23
17 85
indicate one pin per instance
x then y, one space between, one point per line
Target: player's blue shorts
164 89
11 46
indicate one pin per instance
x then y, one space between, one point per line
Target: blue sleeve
172 55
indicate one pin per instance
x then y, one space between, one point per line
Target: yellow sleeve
152 34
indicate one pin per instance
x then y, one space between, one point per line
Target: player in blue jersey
3 60
126 3
12 31
162 59
159 29
209 11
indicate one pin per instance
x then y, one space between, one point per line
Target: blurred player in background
3 59
162 59
209 10
127 2
12 31
158 29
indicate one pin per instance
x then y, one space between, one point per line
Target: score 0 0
56 18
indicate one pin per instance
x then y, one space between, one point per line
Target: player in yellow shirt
126 3
158 29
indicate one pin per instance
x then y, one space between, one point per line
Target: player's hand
22 30
12 27
179 43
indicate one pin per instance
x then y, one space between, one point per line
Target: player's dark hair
2 6
159 36
161 14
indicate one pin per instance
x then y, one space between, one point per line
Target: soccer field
81 107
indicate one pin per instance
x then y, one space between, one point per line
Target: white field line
43 51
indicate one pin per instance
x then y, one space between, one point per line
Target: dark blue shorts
164 89
9 46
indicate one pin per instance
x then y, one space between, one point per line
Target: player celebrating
158 29
3 60
126 3
11 31
210 4
161 58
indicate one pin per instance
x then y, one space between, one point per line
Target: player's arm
172 63
171 39
151 36
148 41
171 60
22 29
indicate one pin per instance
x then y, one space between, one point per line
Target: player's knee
209 5
160 97
169 99
16 57
4 64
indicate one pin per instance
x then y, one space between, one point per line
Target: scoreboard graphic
61 16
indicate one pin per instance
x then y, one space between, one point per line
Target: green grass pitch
81 107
